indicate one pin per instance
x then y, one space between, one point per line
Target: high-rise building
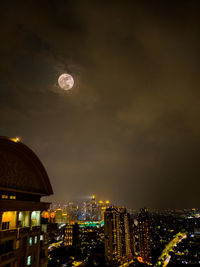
23 181
102 206
88 210
117 235
72 235
101 210
83 211
144 236
95 211
132 236
72 211
59 216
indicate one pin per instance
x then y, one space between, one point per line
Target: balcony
36 229
19 231
7 257
16 232
24 230
8 233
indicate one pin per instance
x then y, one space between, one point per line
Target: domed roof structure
21 170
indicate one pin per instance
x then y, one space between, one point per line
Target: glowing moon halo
66 81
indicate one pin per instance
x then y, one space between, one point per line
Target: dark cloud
129 130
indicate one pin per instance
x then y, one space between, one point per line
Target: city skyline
128 130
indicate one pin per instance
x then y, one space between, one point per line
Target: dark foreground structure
23 181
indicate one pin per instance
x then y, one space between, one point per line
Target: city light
16 139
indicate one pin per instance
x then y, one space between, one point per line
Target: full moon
66 81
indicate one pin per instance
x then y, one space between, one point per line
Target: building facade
23 181
72 235
144 235
117 236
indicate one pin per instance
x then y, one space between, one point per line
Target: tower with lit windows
144 235
117 235
95 210
102 206
23 181
72 235
59 216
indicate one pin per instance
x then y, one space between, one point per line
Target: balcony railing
18 231
36 228
8 233
6 256
23 230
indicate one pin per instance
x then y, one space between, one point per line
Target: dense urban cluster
83 233
123 237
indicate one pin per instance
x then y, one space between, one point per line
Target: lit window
41 237
12 197
4 196
29 260
35 239
30 241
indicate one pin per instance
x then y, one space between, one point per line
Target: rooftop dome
21 170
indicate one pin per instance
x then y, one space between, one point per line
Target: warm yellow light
16 139
45 214
100 202
4 196
8 216
93 197
52 215
140 259
107 201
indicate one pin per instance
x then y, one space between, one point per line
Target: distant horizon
79 200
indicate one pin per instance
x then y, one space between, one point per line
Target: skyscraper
88 210
94 209
72 235
117 235
59 216
83 211
102 206
144 236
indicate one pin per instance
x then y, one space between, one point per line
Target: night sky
129 130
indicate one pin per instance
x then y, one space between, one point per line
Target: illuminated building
88 210
132 236
72 235
95 210
23 181
64 218
117 235
83 211
92 210
144 236
102 206
59 216
72 211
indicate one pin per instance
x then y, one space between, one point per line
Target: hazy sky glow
129 129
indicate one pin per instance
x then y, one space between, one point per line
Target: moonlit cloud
129 130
